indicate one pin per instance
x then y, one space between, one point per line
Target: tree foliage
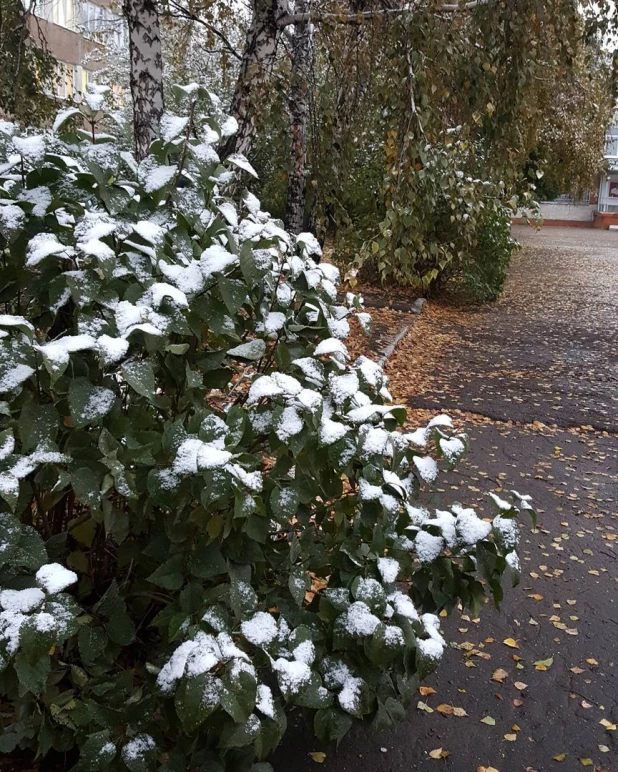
209 515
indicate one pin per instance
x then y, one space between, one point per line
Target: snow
12 378
264 701
149 231
508 528
100 402
205 153
136 749
97 248
9 320
7 446
252 203
289 425
359 620
312 370
310 399
428 547
260 630
349 696
305 652
41 197
432 647
440 420
64 115
229 126
239 160
471 528
112 349
329 271
251 480
292 676
331 346
262 388
161 290
403 606
194 455
331 431
290 386
54 578
158 177
274 321
11 217
336 673
375 441
43 245
57 351
31 148
216 259
427 468
172 126
371 372
388 568
343 387
27 464
228 210
512 558
189 279
502 505
452 448
418 437
21 601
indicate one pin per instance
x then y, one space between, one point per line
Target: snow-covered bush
210 514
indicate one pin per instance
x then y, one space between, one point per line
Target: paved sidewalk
536 379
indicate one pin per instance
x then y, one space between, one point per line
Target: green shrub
482 272
210 515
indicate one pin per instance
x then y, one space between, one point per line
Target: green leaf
169 574
331 725
89 403
196 699
97 752
32 675
206 562
254 349
299 582
140 376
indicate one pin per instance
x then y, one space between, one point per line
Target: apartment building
75 32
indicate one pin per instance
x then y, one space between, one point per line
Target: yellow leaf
592 661
444 613
318 756
499 675
446 710
460 712
608 725
486 769
489 721
515 728
436 753
543 664
559 757
576 670
603 748
426 690
511 642
586 762
423 706
510 737
520 685
536 596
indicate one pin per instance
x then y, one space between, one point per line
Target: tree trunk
298 105
146 71
255 71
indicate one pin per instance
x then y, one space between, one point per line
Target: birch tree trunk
146 71
255 71
298 106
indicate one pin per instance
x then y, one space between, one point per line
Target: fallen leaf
446 710
318 756
586 762
518 703
489 721
543 664
592 661
603 748
536 596
576 670
515 728
511 642
426 690
499 675
460 712
439 753
586 704
486 769
520 685
510 738
559 757
608 725
423 706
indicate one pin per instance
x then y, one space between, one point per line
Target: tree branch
358 18
185 13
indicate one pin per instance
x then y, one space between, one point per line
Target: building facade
75 32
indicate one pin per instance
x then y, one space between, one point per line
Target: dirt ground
534 380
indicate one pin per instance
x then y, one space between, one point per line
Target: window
61 12
103 25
